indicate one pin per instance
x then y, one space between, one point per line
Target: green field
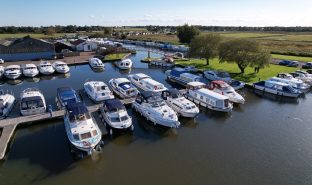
234 71
295 58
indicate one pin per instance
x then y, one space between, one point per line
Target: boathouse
26 48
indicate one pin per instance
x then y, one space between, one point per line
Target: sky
156 12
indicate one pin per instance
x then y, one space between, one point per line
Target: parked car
217 75
307 65
309 71
284 62
1 61
293 64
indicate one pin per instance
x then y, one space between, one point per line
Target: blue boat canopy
76 108
113 105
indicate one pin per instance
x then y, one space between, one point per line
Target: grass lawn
296 58
113 57
234 71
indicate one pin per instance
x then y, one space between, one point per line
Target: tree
205 46
49 31
244 53
186 33
108 31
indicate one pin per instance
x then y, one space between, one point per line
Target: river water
266 141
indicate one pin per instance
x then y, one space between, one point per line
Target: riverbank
249 76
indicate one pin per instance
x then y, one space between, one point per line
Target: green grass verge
113 57
248 77
296 58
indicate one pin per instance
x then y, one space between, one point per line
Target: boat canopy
75 109
113 105
175 93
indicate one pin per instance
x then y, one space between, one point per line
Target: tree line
242 52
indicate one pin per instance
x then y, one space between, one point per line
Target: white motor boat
1 71
115 116
302 77
146 83
295 83
180 104
32 102
124 64
30 70
98 91
6 104
12 72
46 68
199 94
96 63
154 108
277 88
82 131
60 67
123 88
225 89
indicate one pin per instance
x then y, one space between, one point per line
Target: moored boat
96 63
146 83
98 91
154 108
225 89
295 83
198 93
180 104
32 102
30 70
45 68
181 76
60 67
277 88
81 129
66 95
123 88
12 72
6 104
124 64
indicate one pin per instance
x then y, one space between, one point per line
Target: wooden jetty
9 125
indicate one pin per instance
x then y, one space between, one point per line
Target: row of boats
31 70
97 64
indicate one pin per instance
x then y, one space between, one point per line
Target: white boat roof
196 84
45 63
95 59
82 127
152 82
211 93
13 66
277 83
96 83
141 75
127 60
29 65
121 80
179 69
59 62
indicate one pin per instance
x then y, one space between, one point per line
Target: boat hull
204 104
276 92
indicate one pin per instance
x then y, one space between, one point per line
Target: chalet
84 45
26 48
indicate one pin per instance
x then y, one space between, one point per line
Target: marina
213 140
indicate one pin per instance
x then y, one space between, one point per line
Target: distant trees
108 31
50 31
244 53
186 33
205 46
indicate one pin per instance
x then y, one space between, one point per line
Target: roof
213 94
121 80
77 42
76 108
152 82
275 82
31 98
28 65
114 104
142 75
12 66
62 89
190 75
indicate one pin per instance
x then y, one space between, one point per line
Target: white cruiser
30 70
146 83
124 64
98 91
154 108
277 88
303 77
32 102
60 67
45 68
180 104
295 83
225 89
182 76
6 104
198 93
12 72
96 63
115 116
123 88
82 131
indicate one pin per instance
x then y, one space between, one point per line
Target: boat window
31 104
94 132
201 97
114 119
123 118
85 135
76 136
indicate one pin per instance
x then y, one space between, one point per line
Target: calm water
265 141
